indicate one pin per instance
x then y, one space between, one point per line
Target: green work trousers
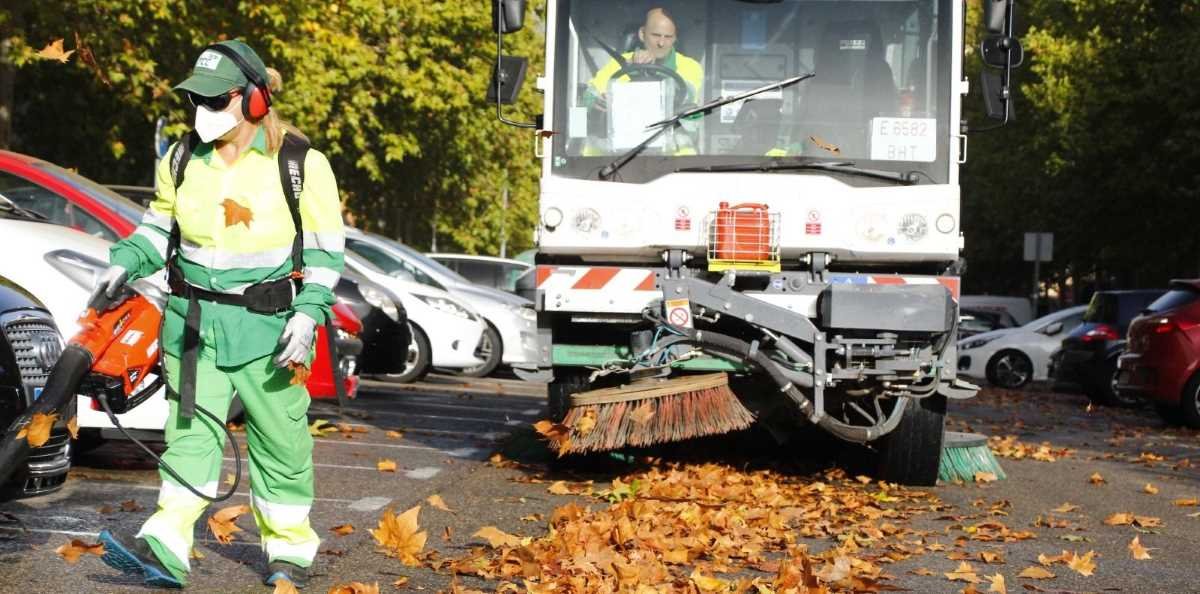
280 461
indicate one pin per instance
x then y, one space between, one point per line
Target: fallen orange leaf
1036 573
642 414
997 584
400 537
1138 551
1119 519
37 432
386 465
985 477
586 422
1190 502
236 213
72 550
394 434
1096 479
1150 489
1083 565
355 588
497 537
343 529
285 587
131 506
437 502
1065 508
963 573
559 488
73 427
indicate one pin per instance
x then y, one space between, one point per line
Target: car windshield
122 206
881 73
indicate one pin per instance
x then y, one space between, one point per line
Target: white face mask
211 125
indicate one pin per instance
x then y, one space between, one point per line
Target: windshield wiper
11 207
611 169
847 167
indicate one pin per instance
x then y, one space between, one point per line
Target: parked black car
29 347
1087 361
385 333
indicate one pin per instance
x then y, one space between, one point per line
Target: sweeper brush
652 411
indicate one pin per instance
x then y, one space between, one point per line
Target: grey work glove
297 340
110 281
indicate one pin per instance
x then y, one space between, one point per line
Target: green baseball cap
215 74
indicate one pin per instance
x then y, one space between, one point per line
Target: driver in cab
658 36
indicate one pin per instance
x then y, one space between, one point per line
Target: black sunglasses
214 103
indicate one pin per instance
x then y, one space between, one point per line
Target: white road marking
238 493
367 504
423 473
322 465
464 452
462 435
531 411
385 413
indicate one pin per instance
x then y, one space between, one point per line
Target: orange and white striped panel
605 289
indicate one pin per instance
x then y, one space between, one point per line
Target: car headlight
380 299
524 312
967 345
446 306
82 269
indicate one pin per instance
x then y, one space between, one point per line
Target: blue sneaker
133 556
282 570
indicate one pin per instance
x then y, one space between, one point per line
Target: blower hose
237 456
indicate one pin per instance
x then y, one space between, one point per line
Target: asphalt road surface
451 428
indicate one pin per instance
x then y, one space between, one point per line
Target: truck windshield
880 97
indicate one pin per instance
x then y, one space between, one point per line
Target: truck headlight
446 306
379 299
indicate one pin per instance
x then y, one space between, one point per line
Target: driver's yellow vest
689 69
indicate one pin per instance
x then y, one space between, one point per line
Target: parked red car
67 198
1162 356
349 328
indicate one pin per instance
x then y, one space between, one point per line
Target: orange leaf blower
116 349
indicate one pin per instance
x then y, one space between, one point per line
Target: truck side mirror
508 74
508 16
995 15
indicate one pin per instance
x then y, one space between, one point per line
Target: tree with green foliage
391 90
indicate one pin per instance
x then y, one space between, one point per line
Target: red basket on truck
743 232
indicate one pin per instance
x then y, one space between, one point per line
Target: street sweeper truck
750 213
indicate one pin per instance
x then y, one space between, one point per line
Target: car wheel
1010 370
491 350
1189 403
910 454
419 357
1103 390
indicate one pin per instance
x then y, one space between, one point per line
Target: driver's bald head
658 33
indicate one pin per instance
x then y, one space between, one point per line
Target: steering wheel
646 72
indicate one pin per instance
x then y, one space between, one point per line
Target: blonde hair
274 124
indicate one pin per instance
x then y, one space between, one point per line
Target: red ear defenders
256 96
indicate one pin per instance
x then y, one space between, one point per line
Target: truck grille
37 346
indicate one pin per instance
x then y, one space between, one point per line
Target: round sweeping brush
964 455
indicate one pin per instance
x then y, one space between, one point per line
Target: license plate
904 139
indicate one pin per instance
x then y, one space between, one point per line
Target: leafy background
1104 152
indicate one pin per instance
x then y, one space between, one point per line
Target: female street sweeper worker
248 223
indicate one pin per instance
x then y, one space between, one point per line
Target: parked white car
511 334
58 265
1013 357
446 333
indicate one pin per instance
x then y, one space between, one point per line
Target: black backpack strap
291 175
179 162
